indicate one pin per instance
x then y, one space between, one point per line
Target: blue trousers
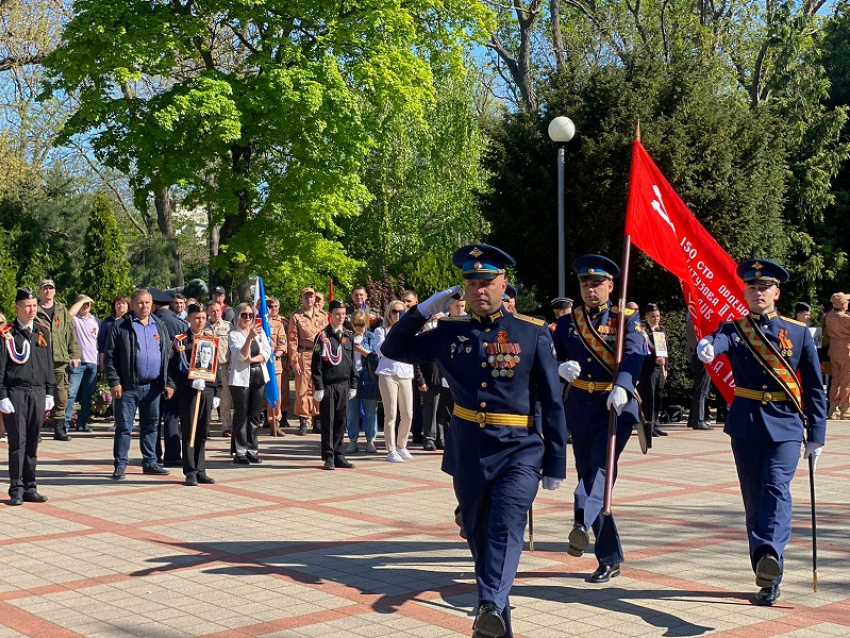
590 450
82 382
367 410
765 471
145 399
494 517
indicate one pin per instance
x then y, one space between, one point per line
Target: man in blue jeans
136 367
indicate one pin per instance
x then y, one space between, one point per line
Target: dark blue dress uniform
587 413
765 426
498 368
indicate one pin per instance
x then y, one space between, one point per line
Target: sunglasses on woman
359 325
396 311
247 315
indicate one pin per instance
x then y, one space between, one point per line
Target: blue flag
272 390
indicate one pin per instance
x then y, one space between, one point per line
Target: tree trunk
165 221
557 35
233 275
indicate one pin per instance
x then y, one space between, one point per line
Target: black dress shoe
343 462
767 596
579 540
702 426
203 479
604 573
34 497
658 432
440 445
118 475
329 465
154 469
16 500
429 446
61 435
192 480
253 459
768 570
489 622
241 460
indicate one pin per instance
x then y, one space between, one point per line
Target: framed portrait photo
204 361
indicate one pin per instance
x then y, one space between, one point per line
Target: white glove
550 483
436 302
216 403
705 351
352 392
318 395
6 406
569 371
199 384
48 403
813 449
617 399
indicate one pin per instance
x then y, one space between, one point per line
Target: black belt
305 348
256 366
145 381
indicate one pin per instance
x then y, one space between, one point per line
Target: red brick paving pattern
285 549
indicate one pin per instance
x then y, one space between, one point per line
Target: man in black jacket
335 380
136 367
26 392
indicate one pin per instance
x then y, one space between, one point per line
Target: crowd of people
461 371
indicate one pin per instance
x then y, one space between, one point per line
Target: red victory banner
661 225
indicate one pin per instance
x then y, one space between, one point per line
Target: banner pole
611 459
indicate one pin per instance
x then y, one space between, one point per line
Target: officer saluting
497 365
26 393
585 340
777 387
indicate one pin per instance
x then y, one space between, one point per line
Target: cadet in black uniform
194 462
335 380
27 377
501 369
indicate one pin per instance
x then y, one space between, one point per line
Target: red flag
331 291
661 225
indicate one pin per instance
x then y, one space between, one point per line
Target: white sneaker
352 448
370 447
403 453
5 439
394 457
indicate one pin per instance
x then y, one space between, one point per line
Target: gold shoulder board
536 322
795 322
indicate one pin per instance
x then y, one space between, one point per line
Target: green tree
261 113
424 178
105 271
8 285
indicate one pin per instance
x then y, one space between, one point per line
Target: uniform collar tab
764 317
491 318
600 308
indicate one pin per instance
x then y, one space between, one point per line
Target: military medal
503 355
785 343
18 357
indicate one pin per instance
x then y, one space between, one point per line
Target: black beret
192 308
802 307
24 294
335 303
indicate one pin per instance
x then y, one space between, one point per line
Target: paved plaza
286 549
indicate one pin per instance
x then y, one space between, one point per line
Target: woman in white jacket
395 381
250 350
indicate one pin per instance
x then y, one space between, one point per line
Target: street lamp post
561 131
